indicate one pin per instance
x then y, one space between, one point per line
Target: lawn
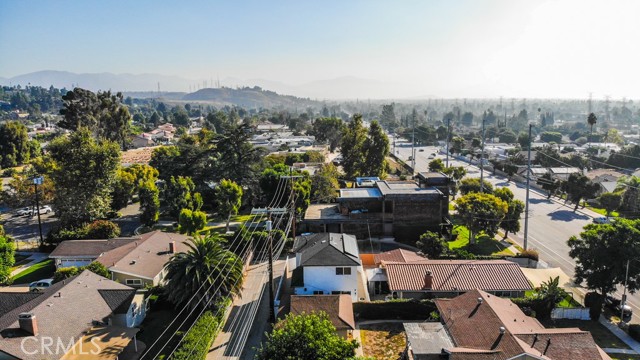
484 245
603 212
42 270
602 336
385 341
624 357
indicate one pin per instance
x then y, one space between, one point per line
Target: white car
45 209
40 285
24 211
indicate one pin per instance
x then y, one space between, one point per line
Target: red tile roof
457 275
399 255
474 321
338 307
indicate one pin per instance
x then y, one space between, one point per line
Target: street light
38 180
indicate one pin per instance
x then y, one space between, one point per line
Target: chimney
428 280
172 247
28 323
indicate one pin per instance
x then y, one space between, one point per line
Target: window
318 292
134 282
343 271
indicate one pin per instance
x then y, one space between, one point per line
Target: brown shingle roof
88 248
146 256
338 307
475 326
457 275
398 255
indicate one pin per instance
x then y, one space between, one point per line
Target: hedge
197 341
397 309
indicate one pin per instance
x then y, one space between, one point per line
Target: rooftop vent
502 330
480 300
133 262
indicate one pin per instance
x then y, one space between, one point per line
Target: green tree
388 116
191 221
15 146
610 201
550 294
149 202
523 140
591 120
124 186
550 136
324 184
237 159
511 220
328 130
103 114
481 212
306 337
472 185
7 256
549 184
457 144
228 198
83 173
205 271
579 187
179 194
436 165
601 253
376 148
631 196
432 244
352 147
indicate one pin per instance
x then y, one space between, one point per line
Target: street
551 223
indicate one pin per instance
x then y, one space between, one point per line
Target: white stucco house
328 263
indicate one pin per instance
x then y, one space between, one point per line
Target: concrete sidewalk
632 343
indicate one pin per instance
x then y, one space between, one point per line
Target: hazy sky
466 48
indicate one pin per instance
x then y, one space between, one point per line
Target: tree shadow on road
539 201
566 215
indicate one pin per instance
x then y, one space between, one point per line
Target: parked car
601 220
23 211
421 150
432 156
614 303
45 209
40 285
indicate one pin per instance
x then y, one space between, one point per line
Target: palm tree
208 264
592 120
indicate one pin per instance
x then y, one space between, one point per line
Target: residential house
606 178
84 317
448 278
142 140
83 252
328 263
137 261
480 326
562 173
339 308
378 283
399 208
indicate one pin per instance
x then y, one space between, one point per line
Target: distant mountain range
339 88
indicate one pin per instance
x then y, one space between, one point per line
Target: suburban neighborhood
147 216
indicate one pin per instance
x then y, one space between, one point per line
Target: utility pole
272 301
624 294
482 158
447 139
38 181
413 148
526 204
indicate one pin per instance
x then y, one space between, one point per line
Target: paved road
551 223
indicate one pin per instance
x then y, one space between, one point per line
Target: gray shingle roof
10 301
328 249
89 248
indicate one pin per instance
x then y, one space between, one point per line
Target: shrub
102 229
206 327
65 273
191 221
97 268
529 254
634 331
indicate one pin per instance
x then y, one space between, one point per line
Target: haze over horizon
510 48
